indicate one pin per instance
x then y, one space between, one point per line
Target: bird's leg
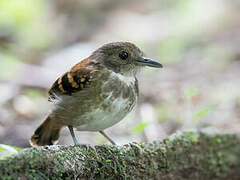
76 141
108 138
73 136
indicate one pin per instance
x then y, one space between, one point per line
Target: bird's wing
78 78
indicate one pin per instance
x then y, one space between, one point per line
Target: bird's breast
118 97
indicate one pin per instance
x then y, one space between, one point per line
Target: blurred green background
197 41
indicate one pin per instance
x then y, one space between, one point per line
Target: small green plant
190 93
140 127
201 113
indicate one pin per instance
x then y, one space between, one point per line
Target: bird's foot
134 145
87 146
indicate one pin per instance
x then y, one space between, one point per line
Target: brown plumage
94 94
46 134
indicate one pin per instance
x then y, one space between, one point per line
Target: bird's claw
87 146
134 145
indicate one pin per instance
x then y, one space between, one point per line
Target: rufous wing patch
74 80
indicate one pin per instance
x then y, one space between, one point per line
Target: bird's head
123 57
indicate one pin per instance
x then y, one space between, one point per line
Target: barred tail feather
46 134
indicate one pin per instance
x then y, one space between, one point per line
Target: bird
94 94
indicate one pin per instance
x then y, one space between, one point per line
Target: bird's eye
123 55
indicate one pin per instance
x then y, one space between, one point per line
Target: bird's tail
46 134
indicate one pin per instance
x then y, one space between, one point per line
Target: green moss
200 151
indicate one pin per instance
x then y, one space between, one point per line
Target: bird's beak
143 61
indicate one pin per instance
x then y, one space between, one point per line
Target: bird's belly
105 116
